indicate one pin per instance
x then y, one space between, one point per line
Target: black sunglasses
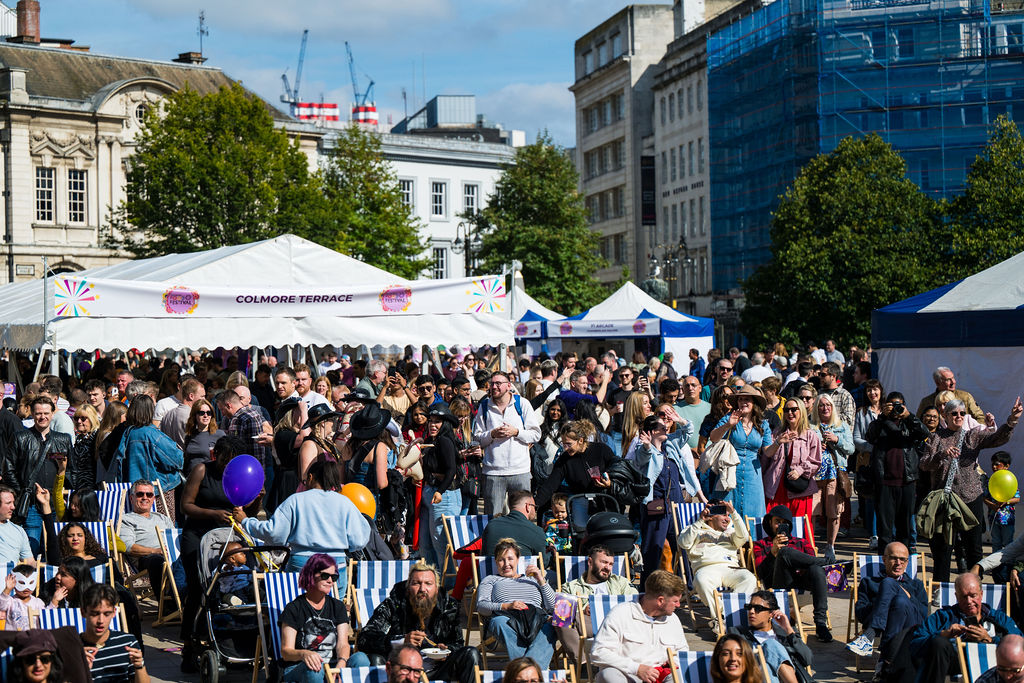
327 576
205 412
756 608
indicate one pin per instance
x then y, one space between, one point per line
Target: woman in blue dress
748 432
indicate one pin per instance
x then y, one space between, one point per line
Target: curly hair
92 546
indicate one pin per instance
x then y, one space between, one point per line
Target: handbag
798 485
656 507
715 453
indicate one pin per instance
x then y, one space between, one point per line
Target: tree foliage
988 218
365 216
537 216
209 171
851 234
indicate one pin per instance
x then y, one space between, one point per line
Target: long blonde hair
816 419
802 423
632 417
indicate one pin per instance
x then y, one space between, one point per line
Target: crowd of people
787 440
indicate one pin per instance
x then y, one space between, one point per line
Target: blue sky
514 55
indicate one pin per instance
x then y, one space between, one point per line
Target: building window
588 62
620 154
664 225
672 107
693 212
406 189
701 214
620 202
77 186
672 164
700 94
616 45
926 181
703 273
689 152
620 249
689 99
682 214
878 46
44 194
663 111
700 155
440 270
905 43
664 168
679 99
602 54
675 224
682 166
470 202
606 205
438 199
595 119
620 107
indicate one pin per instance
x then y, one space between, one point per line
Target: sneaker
873 543
830 554
822 633
843 533
861 646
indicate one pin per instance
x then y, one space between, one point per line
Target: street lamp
466 242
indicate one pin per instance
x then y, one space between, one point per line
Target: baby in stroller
234 583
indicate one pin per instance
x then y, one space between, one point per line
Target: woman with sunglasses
768 627
789 472
951 453
442 490
837 447
36 659
314 626
747 430
201 433
81 472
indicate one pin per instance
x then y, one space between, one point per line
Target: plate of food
435 653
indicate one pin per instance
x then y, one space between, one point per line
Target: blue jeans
297 562
432 538
298 673
580 512
541 649
1002 535
358 659
34 528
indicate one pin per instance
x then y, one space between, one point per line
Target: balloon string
266 564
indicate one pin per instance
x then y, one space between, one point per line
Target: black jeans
796 569
937 660
894 506
942 553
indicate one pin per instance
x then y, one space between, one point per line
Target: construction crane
291 95
361 100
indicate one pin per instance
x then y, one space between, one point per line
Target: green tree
536 216
209 171
365 216
851 234
988 218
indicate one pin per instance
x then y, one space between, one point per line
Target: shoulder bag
798 485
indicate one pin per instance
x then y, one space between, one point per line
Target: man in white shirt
14 546
506 426
633 640
304 387
832 354
816 354
758 370
328 362
713 549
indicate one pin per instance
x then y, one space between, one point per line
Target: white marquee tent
975 327
285 264
630 312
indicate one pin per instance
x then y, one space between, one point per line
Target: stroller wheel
210 667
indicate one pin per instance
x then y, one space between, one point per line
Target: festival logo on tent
565 329
180 300
639 327
485 295
396 299
70 297
522 329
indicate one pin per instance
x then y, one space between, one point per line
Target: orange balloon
361 498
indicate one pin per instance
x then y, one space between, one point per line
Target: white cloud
533 107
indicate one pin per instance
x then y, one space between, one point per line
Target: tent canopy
985 309
530 315
285 262
630 312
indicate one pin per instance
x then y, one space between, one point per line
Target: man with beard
420 613
597 579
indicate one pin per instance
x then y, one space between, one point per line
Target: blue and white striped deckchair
365 601
600 606
975 659
460 531
992 594
571 567
52 618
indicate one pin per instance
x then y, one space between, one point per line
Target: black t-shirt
619 397
316 630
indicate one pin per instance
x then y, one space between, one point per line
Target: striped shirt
112 664
495 590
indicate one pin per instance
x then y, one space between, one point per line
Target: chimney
28 21
194 58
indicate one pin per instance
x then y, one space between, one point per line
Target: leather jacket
26 451
394 618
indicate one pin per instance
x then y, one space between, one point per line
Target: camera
784 529
896 407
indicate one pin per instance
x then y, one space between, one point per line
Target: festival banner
641 327
78 297
528 329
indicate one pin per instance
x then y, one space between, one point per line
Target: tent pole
253 358
39 362
291 363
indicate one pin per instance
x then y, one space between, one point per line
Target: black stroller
607 525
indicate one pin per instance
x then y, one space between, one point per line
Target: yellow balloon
361 498
1002 485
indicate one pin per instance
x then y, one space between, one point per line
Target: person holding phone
582 465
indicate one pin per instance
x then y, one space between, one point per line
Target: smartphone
718 510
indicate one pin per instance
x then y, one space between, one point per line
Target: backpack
516 400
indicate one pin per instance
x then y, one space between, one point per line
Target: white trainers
873 543
861 646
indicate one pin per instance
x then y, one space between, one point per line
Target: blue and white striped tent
974 326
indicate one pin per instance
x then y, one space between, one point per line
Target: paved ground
833 663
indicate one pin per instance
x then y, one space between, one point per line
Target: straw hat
749 392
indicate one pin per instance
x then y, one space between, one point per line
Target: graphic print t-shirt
316 630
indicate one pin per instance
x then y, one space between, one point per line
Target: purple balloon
243 479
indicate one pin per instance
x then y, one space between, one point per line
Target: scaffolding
795 77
